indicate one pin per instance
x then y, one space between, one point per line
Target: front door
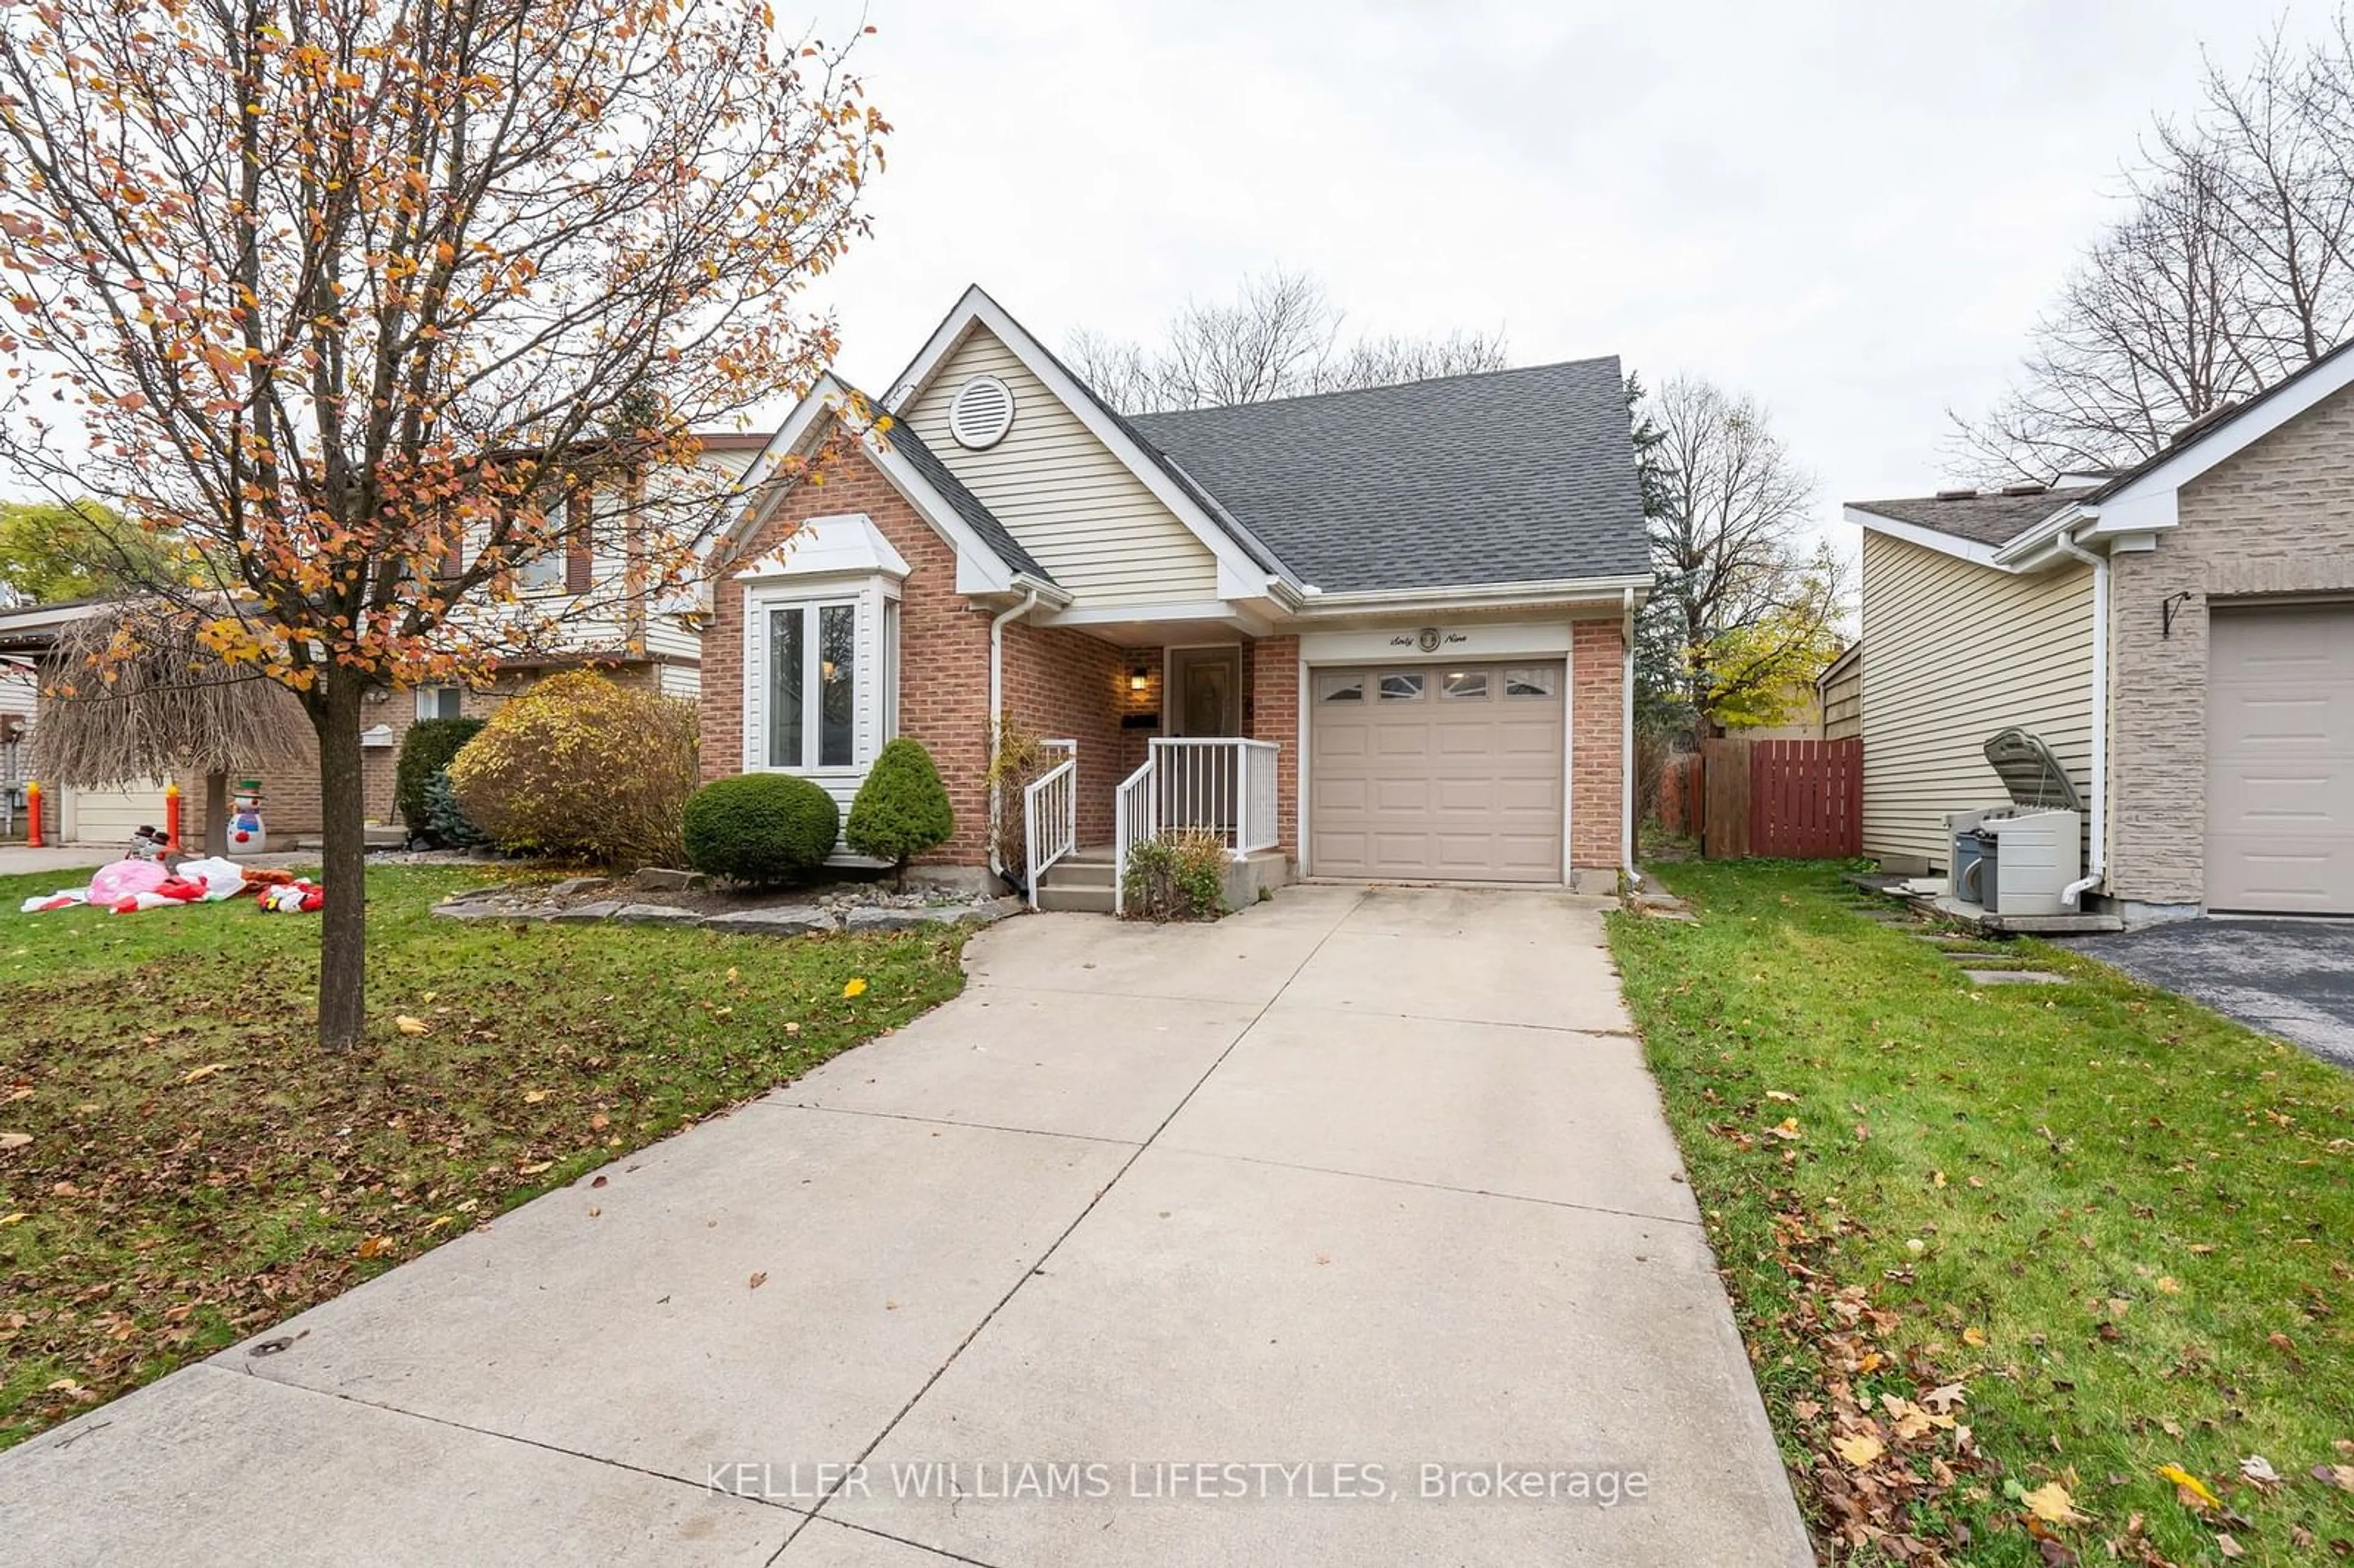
1204 697
1206 687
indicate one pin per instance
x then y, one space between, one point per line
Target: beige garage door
2280 760
110 816
1446 773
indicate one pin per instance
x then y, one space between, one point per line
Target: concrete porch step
1074 900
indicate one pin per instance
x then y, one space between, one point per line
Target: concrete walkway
1204 1245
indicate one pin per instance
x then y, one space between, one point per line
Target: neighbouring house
1839 694
631 640
2180 634
1375 634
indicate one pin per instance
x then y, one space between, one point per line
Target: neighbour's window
812 686
439 702
1401 686
1349 688
1466 683
546 570
1531 681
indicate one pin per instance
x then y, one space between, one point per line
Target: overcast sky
1853 211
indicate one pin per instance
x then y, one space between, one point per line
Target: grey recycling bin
1968 847
1989 858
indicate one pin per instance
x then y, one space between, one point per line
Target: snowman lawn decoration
245 830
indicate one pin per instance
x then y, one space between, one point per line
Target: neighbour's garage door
2280 760
110 816
1443 772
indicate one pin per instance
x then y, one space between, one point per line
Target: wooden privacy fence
1795 799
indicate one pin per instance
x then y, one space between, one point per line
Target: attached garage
1438 772
109 816
2280 759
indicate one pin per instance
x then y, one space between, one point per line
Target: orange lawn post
33 806
172 816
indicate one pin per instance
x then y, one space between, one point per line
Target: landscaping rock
468 910
787 920
571 886
601 909
662 879
2015 977
884 918
655 915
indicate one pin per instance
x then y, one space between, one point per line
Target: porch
1224 787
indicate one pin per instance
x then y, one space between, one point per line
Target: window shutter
578 511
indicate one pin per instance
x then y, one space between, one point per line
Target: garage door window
1402 687
1469 685
1532 681
1341 688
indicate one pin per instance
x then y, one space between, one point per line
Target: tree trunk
342 924
217 815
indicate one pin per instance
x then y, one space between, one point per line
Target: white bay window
820 653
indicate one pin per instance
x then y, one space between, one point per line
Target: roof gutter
1316 602
997 713
2071 896
1626 746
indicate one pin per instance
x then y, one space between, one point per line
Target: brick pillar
1597 711
1275 715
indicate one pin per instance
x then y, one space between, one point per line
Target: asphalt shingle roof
902 438
1512 476
1987 517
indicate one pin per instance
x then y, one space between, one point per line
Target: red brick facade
1271 670
943 650
1598 717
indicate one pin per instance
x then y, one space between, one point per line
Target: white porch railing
1222 786
1050 814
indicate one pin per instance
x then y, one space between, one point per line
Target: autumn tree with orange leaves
344 296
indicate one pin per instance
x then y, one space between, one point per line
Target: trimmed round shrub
903 808
580 769
425 750
760 829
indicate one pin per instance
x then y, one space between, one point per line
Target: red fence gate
1796 799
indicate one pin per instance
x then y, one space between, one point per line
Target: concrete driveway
2294 978
1207 1244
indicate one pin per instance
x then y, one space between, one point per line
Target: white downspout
1627 748
997 716
2070 896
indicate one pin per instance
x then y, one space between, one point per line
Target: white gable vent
983 412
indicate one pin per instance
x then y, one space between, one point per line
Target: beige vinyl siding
1090 521
1953 652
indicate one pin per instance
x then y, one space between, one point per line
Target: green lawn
2099 1228
197 1169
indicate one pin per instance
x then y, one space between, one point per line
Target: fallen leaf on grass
2189 1490
532 1096
408 1025
2170 1285
1860 1450
2051 1503
2227 1546
15 1219
759 1279
1788 1099
855 987
1786 1129
15 1139
2338 1476
206 1071
376 1246
2259 1469
1974 1337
